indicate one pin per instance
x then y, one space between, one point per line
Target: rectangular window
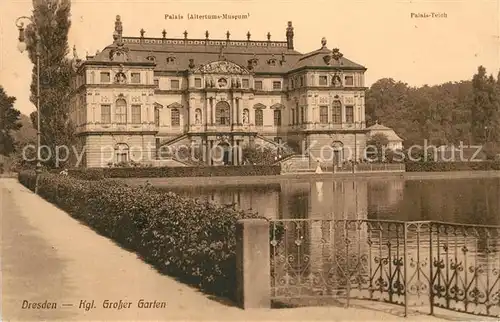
323 114
105 77
337 113
259 117
258 85
293 117
349 114
291 84
83 117
277 85
157 148
302 114
174 84
277 117
175 117
197 82
301 81
157 83
157 116
135 78
323 80
136 114
121 113
245 83
349 80
106 114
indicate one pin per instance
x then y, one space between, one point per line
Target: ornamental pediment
175 105
259 106
277 106
221 67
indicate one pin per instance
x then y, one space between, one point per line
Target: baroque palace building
140 98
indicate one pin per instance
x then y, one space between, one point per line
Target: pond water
467 201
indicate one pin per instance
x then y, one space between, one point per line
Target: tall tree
9 122
50 29
485 125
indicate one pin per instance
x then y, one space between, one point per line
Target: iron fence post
405 264
431 276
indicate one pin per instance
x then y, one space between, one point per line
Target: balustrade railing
412 264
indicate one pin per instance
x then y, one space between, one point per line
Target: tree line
445 114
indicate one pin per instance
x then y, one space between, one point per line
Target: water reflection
471 201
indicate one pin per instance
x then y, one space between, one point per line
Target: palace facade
141 98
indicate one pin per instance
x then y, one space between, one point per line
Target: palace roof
180 54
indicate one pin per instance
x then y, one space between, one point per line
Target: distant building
395 142
142 96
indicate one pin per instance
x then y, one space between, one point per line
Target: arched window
121 111
175 117
121 153
259 117
336 112
222 113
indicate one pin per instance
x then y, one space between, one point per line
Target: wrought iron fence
423 264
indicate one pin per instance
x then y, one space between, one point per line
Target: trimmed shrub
452 166
160 172
192 240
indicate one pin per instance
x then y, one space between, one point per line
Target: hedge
452 166
186 238
159 172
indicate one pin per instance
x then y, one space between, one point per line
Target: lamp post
487 131
21 46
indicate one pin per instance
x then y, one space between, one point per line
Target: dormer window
253 61
151 58
272 62
170 59
349 80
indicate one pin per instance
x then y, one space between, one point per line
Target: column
232 114
311 113
210 152
208 114
237 153
362 102
204 150
233 151
238 112
342 111
212 111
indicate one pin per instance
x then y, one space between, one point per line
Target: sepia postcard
250 160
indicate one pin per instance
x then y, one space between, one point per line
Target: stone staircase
295 163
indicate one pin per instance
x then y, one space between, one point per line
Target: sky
383 35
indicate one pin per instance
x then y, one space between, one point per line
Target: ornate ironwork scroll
424 264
